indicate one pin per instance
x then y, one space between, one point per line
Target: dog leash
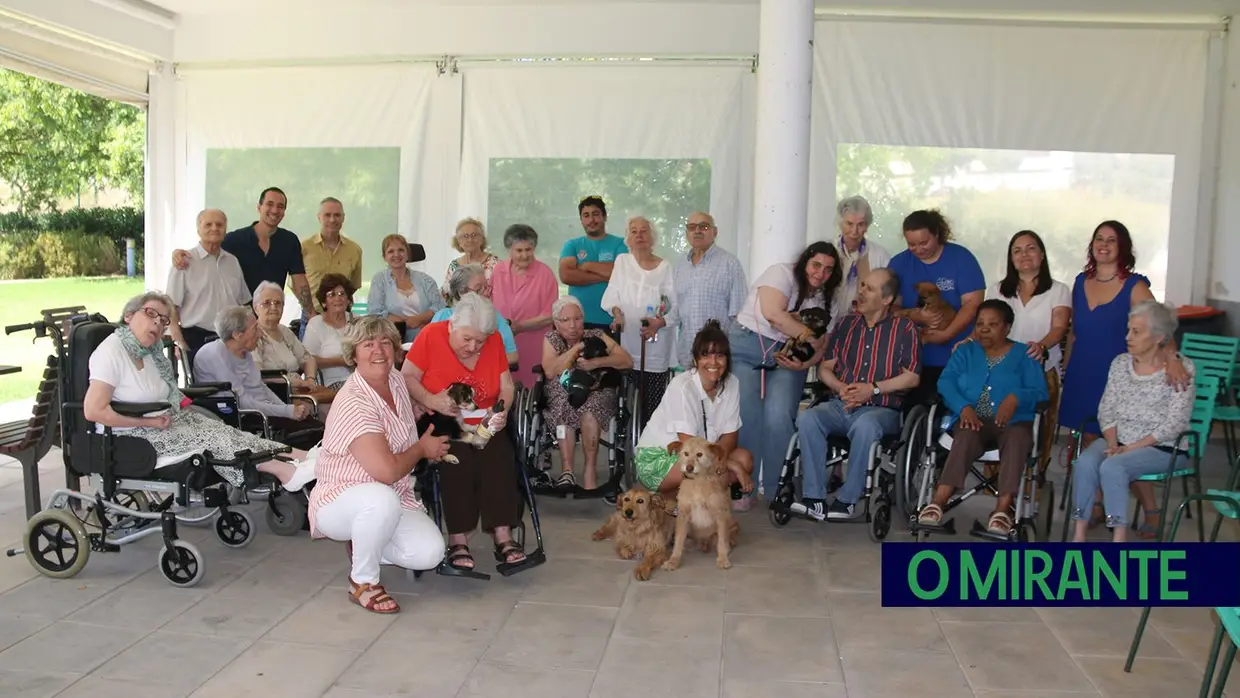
757 316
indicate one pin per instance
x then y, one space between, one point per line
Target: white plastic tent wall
436 81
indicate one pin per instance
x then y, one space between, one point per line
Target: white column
161 176
781 153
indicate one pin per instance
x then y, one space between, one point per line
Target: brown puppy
640 524
929 297
704 502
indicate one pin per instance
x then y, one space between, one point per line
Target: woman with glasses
325 332
278 348
470 239
132 366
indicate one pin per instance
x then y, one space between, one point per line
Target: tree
55 141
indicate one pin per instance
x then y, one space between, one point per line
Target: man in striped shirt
872 360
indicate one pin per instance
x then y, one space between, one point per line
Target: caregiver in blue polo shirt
586 262
932 257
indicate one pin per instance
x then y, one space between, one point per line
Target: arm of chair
200 390
139 409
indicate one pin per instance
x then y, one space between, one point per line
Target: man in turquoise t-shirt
586 262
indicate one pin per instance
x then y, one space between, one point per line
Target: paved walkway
798 615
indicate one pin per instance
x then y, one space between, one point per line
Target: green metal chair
1227 503
1215 355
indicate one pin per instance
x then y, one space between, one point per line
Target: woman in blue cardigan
992 386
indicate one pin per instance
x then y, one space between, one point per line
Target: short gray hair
634 219
852 205
137 302
363 329
458 282
267 286
1162 317
475 312
563 302
232 321
520 232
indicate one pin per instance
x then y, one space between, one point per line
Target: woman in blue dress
1101 298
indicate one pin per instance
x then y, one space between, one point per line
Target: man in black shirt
266 251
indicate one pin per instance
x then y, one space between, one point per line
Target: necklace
1106 280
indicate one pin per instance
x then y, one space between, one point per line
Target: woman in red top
364 494
466 349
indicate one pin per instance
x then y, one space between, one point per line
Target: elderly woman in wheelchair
568 346
130 366
994 390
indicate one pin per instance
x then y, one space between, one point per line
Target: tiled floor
798 615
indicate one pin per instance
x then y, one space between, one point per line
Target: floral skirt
194 433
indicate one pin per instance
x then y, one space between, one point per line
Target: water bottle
646 323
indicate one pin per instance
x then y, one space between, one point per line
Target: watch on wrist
877 390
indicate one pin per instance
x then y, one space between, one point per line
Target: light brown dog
930 298
640 524
704 502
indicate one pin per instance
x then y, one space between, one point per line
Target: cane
641 380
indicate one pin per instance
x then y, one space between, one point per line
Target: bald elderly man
210 283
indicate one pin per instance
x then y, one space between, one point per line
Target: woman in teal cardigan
470 278
992 387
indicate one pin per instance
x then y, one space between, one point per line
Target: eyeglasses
277 303
570 320
157 316
335 294
693 227
468 236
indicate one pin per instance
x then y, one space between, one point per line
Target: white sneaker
304 474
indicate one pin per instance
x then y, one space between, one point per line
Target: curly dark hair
1127 256
804 293
332 282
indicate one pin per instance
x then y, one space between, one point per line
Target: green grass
22 301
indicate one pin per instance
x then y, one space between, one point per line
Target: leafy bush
19 256
29 255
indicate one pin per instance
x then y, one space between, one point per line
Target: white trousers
381 531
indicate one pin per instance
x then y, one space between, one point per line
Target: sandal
457 555
369 596
1147 530
509 552
931 515
566 481
1000 523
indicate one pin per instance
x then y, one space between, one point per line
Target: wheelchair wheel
784 497
235 528
183 566
908 482
285 514
880 519
56 543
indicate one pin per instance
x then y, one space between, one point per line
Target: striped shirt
871 354
712 289
356 411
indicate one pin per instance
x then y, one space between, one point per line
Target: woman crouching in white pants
364 495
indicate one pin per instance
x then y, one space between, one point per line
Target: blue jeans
863 426
1093 470
766 423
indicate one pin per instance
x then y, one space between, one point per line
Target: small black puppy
456 428
816 319
579 383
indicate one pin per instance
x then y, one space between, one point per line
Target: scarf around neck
155 354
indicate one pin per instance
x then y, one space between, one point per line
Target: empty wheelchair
537 440
124 471
1034 502
884 489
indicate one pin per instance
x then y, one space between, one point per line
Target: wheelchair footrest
531 560
945 526
449 571
979 530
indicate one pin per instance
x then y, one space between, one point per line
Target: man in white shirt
210 283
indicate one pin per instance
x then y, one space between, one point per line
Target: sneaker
842 511
815 508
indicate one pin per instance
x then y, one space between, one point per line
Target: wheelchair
537 442
123 470
884 488
1035 502
287 513
426 482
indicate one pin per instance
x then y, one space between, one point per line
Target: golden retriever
640 524
705 503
